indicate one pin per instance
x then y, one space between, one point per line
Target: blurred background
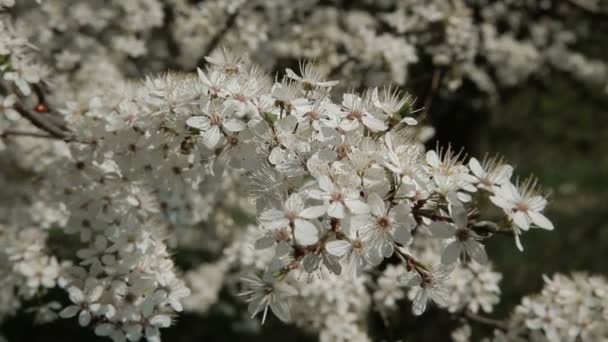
550 125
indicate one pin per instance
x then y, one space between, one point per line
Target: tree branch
9 132
41 123
215 41
498 324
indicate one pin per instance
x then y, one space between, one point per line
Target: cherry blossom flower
338 200
355 111
87 304
384 226
311 77
429 286
492 172
267 293
215 122
295 216
522 204
463 241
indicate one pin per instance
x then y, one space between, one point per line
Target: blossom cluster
569 308
489 44
339 187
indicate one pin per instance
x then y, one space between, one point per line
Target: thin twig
435 83
488 227
215 41
41 123
589 8
485 320
8 133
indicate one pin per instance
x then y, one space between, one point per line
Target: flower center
313 115
355 115
307 85
463 234
232 140
521 206
384 223
337 197
215 119
291 215
358 247
281 235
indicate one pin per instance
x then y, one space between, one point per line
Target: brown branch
498 324
486 227
215 41
430 215
434 88
8 133
42 123
589 8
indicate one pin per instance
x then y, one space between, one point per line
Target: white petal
95 293
510 190
518 243
442 230
327 83
234 125
432 159
104 329
349 125
411 279
133 331
292 75
476 168
521 220
212 137
336 209
202 77
419 304
459 215
281 310
152 334
294 203
338 247
500 202
376 204
264 242
503 174
162 321
451 253
271 217
317 194
326 184
198 122
76 295
410 121
476 251
386 248
305 232
313 212
69 311
402 235
84 318
357 206
276 156
374 123
540 220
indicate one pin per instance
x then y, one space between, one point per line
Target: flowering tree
320 205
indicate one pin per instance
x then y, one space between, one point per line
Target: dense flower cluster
338 187
309 199
569 308
490 44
